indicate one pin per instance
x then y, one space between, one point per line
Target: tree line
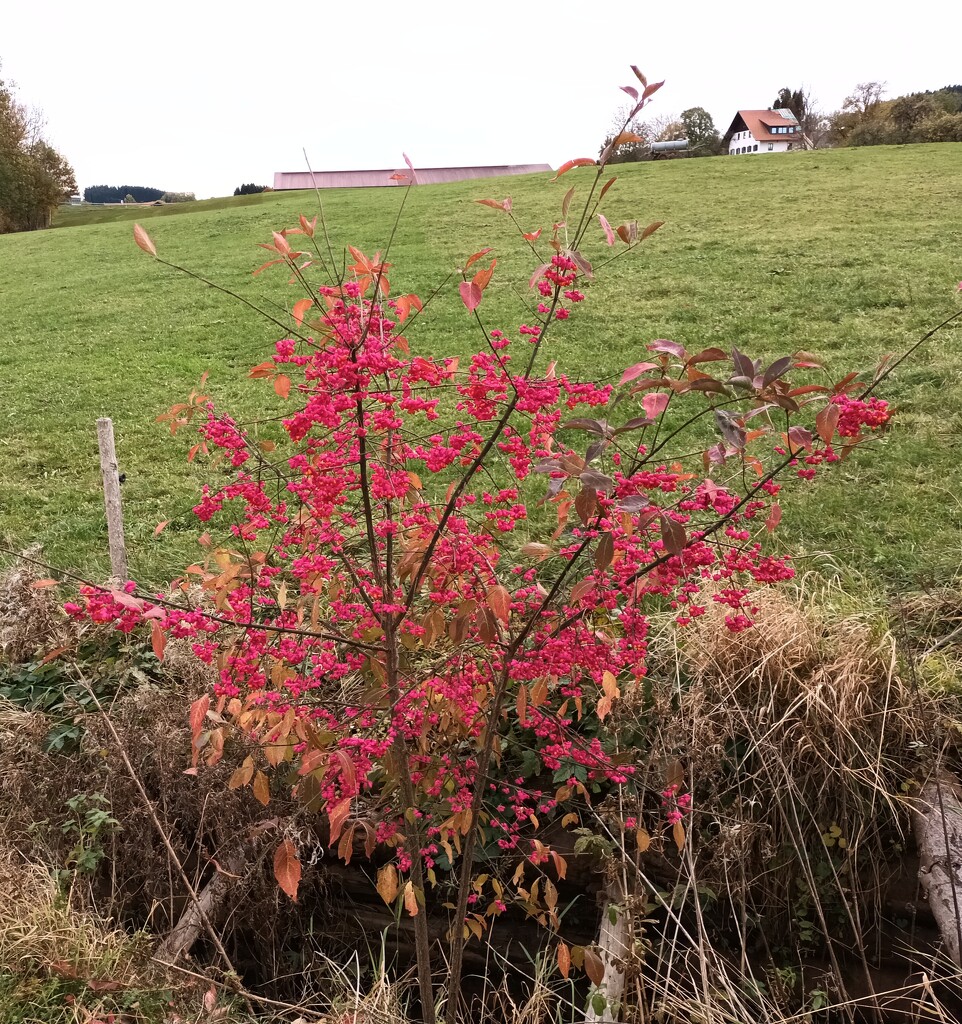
133 194
865 119
34 177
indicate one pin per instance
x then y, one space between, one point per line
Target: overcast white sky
201 96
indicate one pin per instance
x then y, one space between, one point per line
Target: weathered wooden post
115 514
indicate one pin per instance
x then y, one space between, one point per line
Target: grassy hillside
850 253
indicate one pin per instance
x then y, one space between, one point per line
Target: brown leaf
678 834
143 240
535 550
242 775
387 883
262 789
564 959
643 840
287 868
605 551
594 967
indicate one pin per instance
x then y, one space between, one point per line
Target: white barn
764 131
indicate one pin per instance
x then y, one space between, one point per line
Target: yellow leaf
643 840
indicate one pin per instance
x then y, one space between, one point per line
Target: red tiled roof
759 121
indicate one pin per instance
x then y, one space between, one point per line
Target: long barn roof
395 176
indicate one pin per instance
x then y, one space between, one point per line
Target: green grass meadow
850 254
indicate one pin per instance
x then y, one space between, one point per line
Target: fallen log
211 904
937 824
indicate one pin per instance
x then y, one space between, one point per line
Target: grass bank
848 253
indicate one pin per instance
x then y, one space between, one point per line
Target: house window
789 145
755 148
771 146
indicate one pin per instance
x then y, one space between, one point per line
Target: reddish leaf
655 403
633 93
198 715
337 815
495 204
300 309
536 276
158 639
671 347
470 295
483 277
474 258
806 361
532 236
414 173
636 371
624 138
282 385
43 584
606 227
266 369
708 355
774 517
161 526
826 422
607 185
143 240
651 229
641 78
582 161
799 438
287 868
651 89
499 601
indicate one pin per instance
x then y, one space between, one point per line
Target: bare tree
864 99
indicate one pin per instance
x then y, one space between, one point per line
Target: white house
764 131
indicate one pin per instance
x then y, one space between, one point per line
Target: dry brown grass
801 743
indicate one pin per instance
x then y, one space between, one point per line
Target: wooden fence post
115 515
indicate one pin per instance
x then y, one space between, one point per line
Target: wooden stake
115 514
